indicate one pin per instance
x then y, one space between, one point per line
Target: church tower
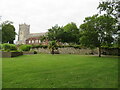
23 34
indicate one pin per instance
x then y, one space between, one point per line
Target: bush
0 46
9 47
77 46
39 46
25 47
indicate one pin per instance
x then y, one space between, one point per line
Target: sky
43 14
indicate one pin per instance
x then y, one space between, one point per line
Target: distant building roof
33 38
36 34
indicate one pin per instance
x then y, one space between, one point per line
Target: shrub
25 47
77 46
9 47
0 46
39 46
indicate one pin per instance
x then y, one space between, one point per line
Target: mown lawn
60 71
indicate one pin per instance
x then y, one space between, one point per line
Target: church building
25 37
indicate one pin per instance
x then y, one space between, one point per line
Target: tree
8 32
52 46
42 38
55 33
112 8
96 30
71 33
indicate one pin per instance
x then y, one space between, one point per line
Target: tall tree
8 32
112 8
96 30
55 33
71 33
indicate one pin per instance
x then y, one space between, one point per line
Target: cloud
43 14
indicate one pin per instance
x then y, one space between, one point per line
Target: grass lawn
60 71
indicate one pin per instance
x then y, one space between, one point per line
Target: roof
36 34
33 38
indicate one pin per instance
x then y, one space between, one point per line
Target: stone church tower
25 37
23 34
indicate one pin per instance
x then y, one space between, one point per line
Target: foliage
111 7
97 31
8 32
42 38
71 33
1 46
39 46
9 47
25 47
52 46
55 33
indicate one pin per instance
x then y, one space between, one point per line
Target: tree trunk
52 51
100 51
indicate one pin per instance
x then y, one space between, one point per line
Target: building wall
25 37
36 41
23 34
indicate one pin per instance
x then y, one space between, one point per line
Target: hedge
8 47
25 47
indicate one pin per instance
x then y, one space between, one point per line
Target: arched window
32 41
29 41
39 41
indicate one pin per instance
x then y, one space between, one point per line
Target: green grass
60 71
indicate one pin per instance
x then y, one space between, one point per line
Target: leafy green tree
8 32
53 46
71 33
96 30
55 33
42 38
112 8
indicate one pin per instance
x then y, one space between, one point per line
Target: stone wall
67 50
11 54
111 51
71 50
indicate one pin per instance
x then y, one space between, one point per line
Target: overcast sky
43 14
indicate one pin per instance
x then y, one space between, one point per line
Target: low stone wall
41 50
11 54
71 50
27 53
111 51
67 50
